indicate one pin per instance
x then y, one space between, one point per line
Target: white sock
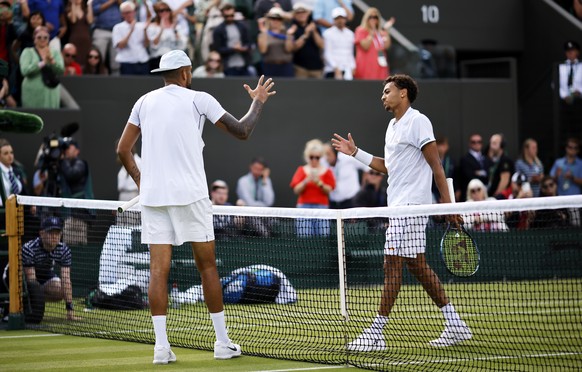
220 326
451 315
378 324
160 330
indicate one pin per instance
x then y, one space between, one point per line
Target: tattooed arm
243 128
126 142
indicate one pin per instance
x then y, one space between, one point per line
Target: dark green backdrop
300 111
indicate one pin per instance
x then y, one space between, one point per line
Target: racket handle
125 206
451 189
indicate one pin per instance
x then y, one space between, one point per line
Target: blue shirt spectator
107 18
54 14
567 171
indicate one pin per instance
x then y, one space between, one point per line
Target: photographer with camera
76 182
60 171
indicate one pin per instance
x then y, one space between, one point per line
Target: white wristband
363 157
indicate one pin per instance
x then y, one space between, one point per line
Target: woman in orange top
372 42
313 182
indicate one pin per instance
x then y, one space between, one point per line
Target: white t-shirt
564 72
135 51
169 40
171 120
409 175
347 177
338 51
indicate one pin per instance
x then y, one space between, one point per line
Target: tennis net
303 283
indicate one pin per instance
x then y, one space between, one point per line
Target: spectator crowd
41 41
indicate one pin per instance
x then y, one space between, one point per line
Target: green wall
300 111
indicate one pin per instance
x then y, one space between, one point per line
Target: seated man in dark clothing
372 194
225 226
550 218
38 258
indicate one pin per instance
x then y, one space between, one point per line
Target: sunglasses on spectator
474 190
373 17
228 15
548 185
163 10
213 60
42 37
373 173
573 147
314 157
476 141
93 56
70 55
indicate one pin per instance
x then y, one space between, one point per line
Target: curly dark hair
402 81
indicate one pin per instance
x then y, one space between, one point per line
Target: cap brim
158 70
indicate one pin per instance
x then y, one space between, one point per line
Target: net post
14 230
341 247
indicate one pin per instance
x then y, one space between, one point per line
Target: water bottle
174 295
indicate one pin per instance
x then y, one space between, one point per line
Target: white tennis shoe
452 335
368 341
224 350
163 355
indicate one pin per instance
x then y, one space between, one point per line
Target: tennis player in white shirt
410 159
173 186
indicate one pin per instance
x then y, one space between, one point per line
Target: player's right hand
347 146
454 219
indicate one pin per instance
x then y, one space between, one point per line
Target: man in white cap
323 12
338 48
173 186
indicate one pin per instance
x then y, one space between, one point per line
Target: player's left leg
456 330
428 279
205 259
372 339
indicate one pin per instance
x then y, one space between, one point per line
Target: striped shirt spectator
35 255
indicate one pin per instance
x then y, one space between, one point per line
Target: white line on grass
307 368
492 357
31 336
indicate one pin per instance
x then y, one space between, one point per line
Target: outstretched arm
243 128
348 147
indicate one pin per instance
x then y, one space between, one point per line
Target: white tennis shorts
177 224
406 236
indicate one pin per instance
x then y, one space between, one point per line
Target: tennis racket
458 248
128 204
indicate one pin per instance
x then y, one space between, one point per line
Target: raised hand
292 29
347 146
389 23
263 90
